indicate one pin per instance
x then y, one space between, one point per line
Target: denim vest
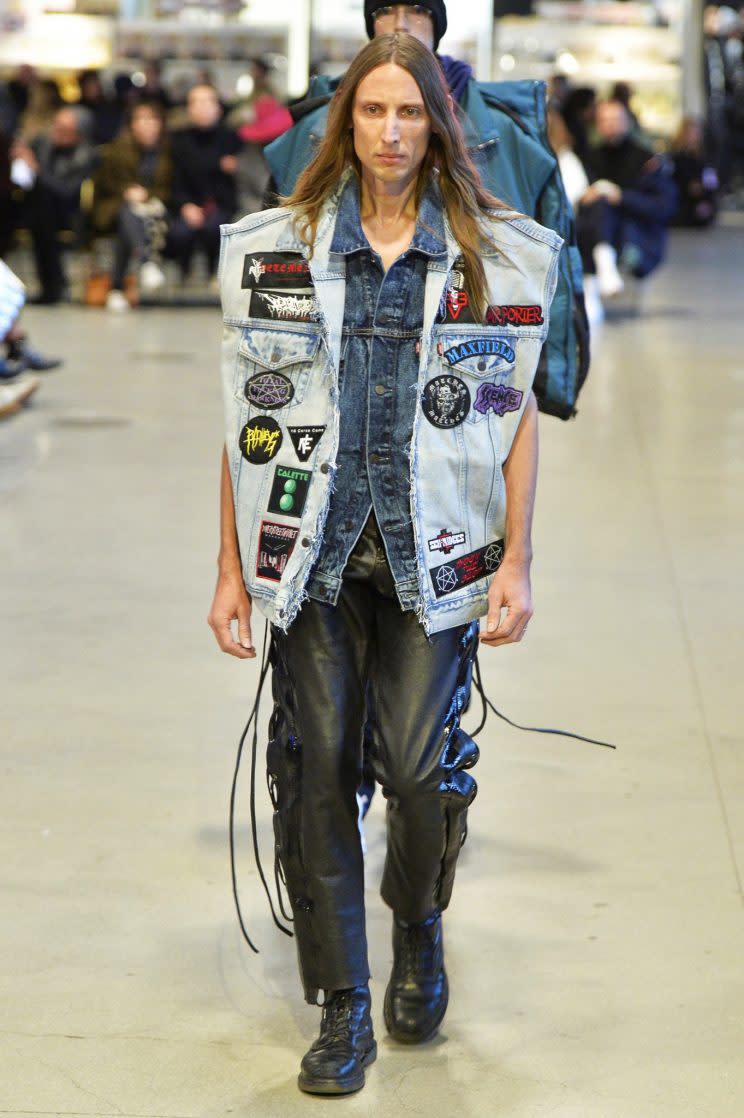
283 315
383 320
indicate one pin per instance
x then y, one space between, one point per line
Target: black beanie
436 7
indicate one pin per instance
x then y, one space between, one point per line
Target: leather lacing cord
278 875
253 719
488 705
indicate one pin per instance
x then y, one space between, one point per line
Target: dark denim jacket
383 320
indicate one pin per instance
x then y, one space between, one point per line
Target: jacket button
374 457
325 467
380 389
306 542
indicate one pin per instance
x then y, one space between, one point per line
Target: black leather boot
335 1063
417 994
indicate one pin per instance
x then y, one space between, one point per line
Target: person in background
16 384
104 113
578 110
56 165
132 190
269 117
153 88
624 215
696 179
204 184
44 100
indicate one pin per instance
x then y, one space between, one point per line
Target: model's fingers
244 626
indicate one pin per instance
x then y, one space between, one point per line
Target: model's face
411 18
146 127
391 126
612 122
203 106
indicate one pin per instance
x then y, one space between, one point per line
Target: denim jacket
283 320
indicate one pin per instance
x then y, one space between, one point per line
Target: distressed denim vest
283 319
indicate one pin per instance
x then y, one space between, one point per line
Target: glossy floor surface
594 943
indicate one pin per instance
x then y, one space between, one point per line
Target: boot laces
337 1015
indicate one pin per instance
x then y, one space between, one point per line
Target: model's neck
388 204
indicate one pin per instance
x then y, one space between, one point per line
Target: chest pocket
273 368
485 363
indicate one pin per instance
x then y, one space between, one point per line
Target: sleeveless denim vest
283 319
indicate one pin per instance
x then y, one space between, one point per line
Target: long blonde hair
466 201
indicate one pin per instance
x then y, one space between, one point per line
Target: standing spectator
204 188
578 110
269 117
153 88
104 113
20 87
627 209
132 190
44 100
57 165
697 181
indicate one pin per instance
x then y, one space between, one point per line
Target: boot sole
410 1038
312 1086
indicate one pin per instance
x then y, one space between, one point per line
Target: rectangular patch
284 308
277 270
446 541
460 572
289 491
479 347
509 315
275 545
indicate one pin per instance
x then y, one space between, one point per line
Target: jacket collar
348 235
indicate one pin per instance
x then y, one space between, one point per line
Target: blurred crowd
152 171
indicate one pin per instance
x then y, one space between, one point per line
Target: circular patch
260 439
446 401
269 390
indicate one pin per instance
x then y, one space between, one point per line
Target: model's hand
509 605
232 602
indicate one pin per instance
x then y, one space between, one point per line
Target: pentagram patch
282 270
446 401
275 545
289 491
269 390
498 398
260 440
460 572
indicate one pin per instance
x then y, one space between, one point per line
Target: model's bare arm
510 593
231 601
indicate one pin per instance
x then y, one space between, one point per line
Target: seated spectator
268 117
16 385
104 114
44 99
56 165
204 187
623 217
697 181
132 190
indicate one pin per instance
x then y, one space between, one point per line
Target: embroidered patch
446 401
289 491
284 308
509 315
447 541
275 545
269 390
455 306
467 568
497 398
276 270
479 347
305 440
260 440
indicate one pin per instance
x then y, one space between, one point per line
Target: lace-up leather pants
366 660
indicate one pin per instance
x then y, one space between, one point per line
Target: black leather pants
365 659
